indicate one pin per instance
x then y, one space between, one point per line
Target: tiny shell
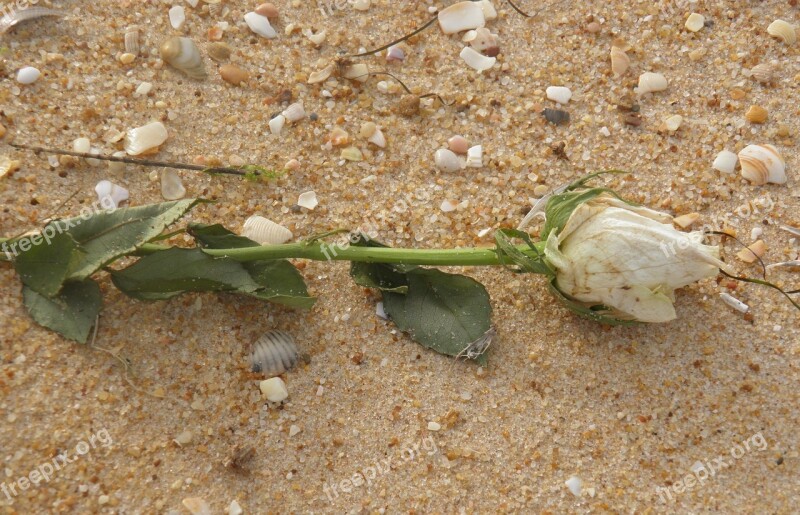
650 82
269 10
756 114
308 200
260 25
783 30
377 138
556 116
620 62
16 16
695 22
110 195
352 154
447 161
475 156
183 55
338 137
763 73
559 94
762 164
395 53
177 16
196 506
733 302
294 112
485 42
359 72
276 124
673 123
725 161
274 353
321 75
476 60
171 185
8 165
752 253
461 16
148 137
219 51
28 75
132 44
265 232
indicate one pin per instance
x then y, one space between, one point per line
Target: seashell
214 7
725 161
338 137
268 10
359 72
783 30
458 144
317 38
308 200
489 12
756 114
233 74
294 112
446 160
274 353
752 253
14 17
695 22
28 75
171 185
361 5
448 206
321 75
475 156
485 42
276 124
791 230
265 232
558 94
367 130
673 123
395 53
110 195
461 16
377 138
219 51
620 62
144 138
177 16
352 154
132 43
260 25
763 73
684 221
274 390
183 54
8 165
733 302
762 164
556 116
651 82
476 60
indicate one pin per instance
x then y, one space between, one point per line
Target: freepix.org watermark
10 8
45 471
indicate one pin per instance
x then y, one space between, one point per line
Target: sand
629 411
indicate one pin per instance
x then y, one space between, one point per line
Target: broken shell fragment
783 30
733 302
725 161
695 22
260 25
145 138
650 82
183 54
684 221
308 200
762 164
16 16
359 72
446 160
395 53
177 16
673 123
377 138
274 389
294 112
559 94
752 253
268 10
476 60
475 156
485 42
274 353
219 51
110 195
461 16
276 124
763 73
132 45
265 232
171 185
321 75
620 62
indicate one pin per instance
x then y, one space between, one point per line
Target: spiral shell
274 353
762 164
183 55
132 43
265 232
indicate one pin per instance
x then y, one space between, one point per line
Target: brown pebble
634 119
269 10
593 27
408 105
756 114
458 144
233 74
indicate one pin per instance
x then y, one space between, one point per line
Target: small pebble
177 17
184 438
127 58
673 123
686 220
556 116
725 161
103 499
695 22
574 484
458 144
234 508
352 154
233 74
196 506
293 430
274 389
446 160
28 75
434 426
558 94
268 10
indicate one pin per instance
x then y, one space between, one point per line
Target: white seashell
485 42
317 38
783 30
791 230
476 60
274 389
274 353
8 165
82 145
475 156
265 232
558 94
171 185
28 75
673 123
177 16
377 138
144 138
762 164
308 200
620 62
461 16
359 72
276 124
489 12
447 161
183 54
650 82
143 89
110 195
23 12
763 73
132 44
469 36
321 75
294 112
725 162
695 22
361 5
260 25
395 53
733 302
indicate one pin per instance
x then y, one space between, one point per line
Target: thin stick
140 162
407 36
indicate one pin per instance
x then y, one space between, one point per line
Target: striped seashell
16 16
214 7
265 232
762 164
274 353
132 44
183 54
783 30
764 73
294 112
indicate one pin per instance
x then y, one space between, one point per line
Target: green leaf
218 237
385 277
71 313
44 266
107 235
170 272
281 283
444 312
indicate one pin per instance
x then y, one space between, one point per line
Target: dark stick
407 36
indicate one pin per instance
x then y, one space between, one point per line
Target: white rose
628 258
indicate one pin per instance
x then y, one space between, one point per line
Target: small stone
234 508
556 116
184 438
352 154
367 130
143 89
446 160
574 484
434 426
233 74
448 206
103 499
558 94
695 22
686 220
458 144
292 164
2 130
737 93
274 389
361 5
408 105
338 137
293 430
593 27
269 10
756 114
196 506
28 75
127 58
633 119
725 161
177 17
752 253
